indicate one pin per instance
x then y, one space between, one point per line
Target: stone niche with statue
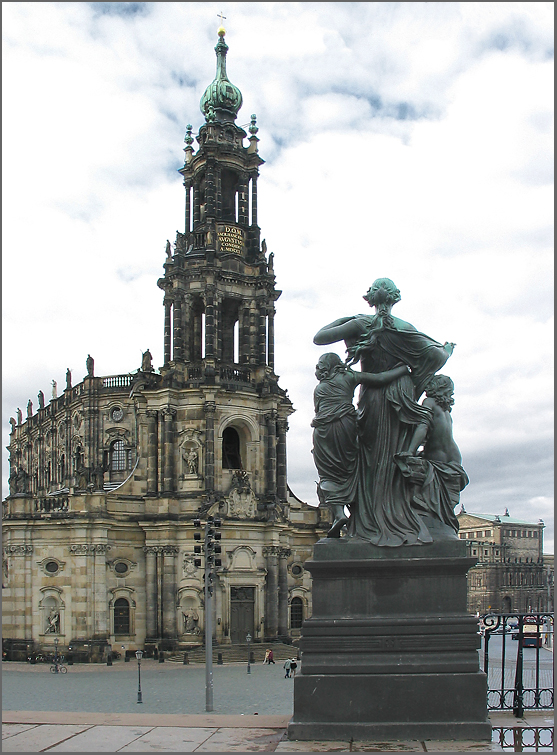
390 650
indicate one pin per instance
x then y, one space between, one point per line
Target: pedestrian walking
286 667
266 659
270 659
293 667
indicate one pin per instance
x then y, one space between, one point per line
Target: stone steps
238 653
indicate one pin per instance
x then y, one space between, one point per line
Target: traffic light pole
210 548
208 625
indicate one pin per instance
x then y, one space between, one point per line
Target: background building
512 573
106 479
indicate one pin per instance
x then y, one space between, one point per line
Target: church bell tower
219 288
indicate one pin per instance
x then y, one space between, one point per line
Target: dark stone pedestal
390 651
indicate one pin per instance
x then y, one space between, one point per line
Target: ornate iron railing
523 738
523 680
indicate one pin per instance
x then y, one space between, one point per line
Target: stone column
150 591
271 339
187 325
209 322
168 466
178 350
254 200
283 593
167 330
151 451
271 421
262 334
271 553
169 592
282 484
196 206
188 206
210 189
209 407
243 199
101 628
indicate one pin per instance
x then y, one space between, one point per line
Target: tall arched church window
117 456
296 613
231 458
121 617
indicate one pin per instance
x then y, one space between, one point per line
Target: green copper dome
221 99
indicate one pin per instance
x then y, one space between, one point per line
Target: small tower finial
221 30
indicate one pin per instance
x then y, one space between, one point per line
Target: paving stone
409 746
464 746
41 737
8 730
169 739
314 746
242 740
102 739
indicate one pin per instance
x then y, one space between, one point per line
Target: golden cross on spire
221 31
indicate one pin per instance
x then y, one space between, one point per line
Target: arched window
296 613
117 456
231 458
121 616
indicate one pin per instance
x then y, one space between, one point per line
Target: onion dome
221 100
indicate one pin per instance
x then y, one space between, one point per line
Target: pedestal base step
389 732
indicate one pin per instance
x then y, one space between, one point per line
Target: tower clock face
117 414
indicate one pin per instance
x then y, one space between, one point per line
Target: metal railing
521 680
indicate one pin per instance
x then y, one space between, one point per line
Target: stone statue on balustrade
147 361
90 364
361 456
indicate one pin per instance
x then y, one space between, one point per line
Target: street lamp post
56 655
248 639
139 656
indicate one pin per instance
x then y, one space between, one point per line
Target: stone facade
106 479
510 574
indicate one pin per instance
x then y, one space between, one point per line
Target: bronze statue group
392 463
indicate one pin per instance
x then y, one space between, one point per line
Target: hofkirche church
106 479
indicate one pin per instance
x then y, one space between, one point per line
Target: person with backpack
293 667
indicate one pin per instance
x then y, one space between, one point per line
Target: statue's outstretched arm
338 330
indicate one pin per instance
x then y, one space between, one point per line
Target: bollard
109 660
219 659
161 657
185 661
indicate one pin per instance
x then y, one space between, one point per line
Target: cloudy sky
407 140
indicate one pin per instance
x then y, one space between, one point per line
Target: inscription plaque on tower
231 239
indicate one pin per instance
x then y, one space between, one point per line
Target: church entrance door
242 603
